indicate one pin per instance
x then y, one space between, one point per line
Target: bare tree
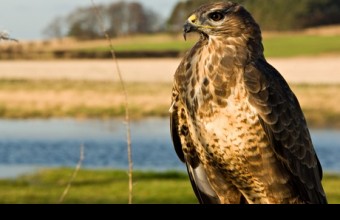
120 18
132 18
83 24
55 28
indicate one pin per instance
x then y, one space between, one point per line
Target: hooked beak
189 26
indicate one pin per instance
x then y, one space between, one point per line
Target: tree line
273 14
119 19
124 18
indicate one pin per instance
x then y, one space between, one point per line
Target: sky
26 19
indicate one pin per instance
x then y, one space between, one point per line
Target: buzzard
235 122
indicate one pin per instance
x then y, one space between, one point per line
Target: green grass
284 45
301 45
276 45
111 187
98 186
331 184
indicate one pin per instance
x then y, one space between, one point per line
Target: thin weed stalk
126 98
69 184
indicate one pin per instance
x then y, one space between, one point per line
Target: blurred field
98 186
309 61
311 42
311 70
110 187
90 88
301 45
96 99
80 99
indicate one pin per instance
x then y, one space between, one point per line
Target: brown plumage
235 123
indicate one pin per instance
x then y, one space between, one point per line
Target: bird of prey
234 120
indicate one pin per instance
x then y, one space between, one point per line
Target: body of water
28 144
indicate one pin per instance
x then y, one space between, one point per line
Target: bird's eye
216 16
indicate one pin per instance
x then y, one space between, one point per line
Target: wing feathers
282 119
201 185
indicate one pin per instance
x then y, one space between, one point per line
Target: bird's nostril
192 18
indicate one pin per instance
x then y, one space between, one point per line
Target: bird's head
225 19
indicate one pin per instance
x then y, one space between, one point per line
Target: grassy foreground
93 99
100 186
110 187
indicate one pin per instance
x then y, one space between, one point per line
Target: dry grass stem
81 158
126 98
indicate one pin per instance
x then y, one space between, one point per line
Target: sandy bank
296 70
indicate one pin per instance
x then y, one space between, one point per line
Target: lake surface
27 144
